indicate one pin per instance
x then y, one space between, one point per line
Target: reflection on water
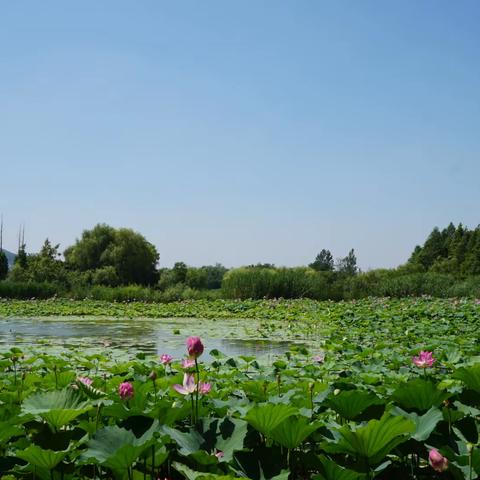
152 336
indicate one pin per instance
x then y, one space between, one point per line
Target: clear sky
241 131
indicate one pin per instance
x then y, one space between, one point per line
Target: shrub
26 290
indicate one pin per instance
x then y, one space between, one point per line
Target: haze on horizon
241 132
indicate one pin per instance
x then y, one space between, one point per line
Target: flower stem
193 410
198 388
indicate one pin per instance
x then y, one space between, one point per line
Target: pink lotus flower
219 454
85 380
194 346
437 461
189 386
166 359
188 363
319 358
205 388
424 360
125 390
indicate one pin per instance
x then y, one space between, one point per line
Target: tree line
120 264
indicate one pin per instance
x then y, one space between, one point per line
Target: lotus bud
194 346
437 461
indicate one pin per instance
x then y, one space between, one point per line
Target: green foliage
364 411
331 471
293 431
470 376
323 262
132 257
260 282
419 394
21 259
3 265
117 448
373 441
57 407
41 458
266 418
348 264
424 424
27 290
349 404
453 250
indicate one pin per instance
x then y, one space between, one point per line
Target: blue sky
244 131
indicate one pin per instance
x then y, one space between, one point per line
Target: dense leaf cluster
454 250
361 410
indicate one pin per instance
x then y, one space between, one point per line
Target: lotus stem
153 463
198 388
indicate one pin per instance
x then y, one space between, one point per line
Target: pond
152 336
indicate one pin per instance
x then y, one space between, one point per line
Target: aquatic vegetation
351 406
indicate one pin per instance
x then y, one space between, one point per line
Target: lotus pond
343 399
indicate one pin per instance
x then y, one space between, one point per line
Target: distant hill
10 257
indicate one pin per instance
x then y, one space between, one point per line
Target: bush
27 290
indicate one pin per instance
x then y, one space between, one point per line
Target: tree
348 264
323 262
88 252
196 278
215 274
179 272
129 253
3 265
21 258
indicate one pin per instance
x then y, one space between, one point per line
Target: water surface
151 336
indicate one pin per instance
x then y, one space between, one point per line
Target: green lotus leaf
424 424
470 376
266 418
333 471
351 403
293 431
8 431
41 458
117 448
374 440
190 474
189 442
419 394
58 407
230 437
60 379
